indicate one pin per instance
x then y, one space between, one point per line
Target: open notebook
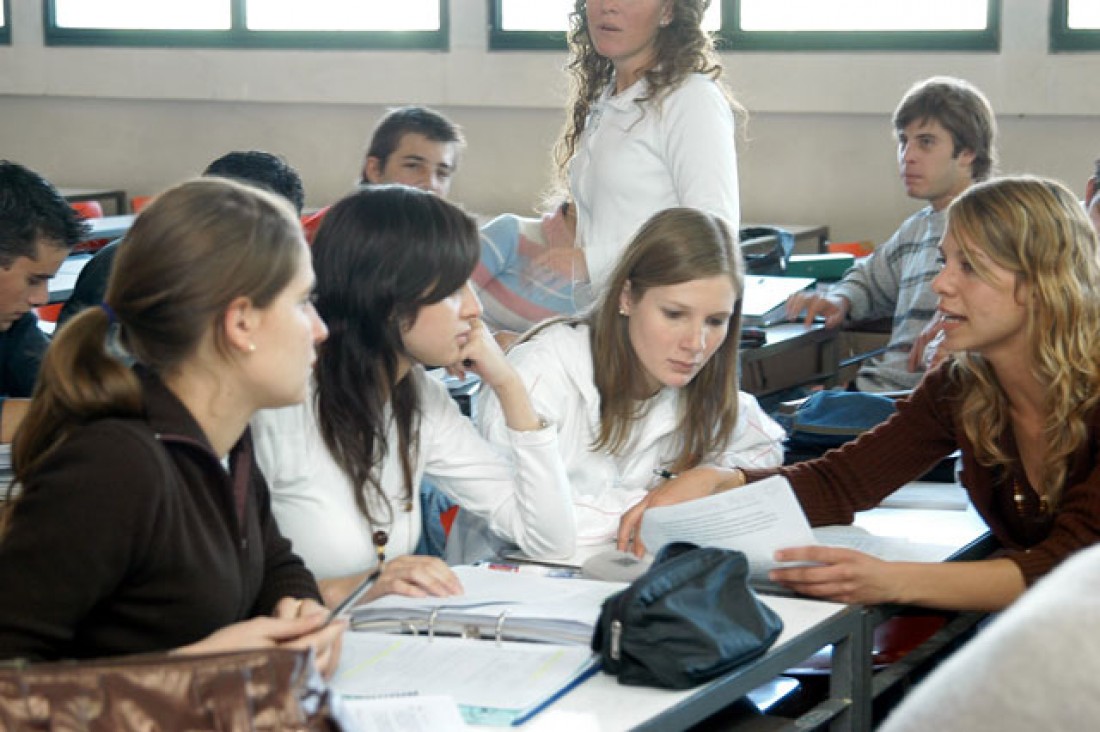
477 647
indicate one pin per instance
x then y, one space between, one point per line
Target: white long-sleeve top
521 489
557 368
635 159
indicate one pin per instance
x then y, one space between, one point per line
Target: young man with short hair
416 146
38 229
946 133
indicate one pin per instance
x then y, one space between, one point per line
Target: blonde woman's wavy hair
682 48
1036 229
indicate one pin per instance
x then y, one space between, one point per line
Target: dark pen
662 473
357 593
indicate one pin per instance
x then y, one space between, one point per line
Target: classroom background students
649 124
255 167
1018 397
393 265
142 523
946 134
647 380
38 228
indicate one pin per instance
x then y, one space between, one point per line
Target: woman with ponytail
138 520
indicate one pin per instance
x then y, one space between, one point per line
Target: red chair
137 203
49 313
89 210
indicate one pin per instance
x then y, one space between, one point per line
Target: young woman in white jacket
392 266
643 388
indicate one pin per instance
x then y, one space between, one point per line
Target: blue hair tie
112 319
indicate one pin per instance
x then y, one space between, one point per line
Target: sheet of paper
756 519
889 548
489 681
410 713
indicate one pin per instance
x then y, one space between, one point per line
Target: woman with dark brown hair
142 523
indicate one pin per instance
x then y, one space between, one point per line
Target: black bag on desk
690 618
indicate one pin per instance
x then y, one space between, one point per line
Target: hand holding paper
757 519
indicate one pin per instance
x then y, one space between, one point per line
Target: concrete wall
819 147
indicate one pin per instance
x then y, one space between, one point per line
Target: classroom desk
110 227
117 198
793 355
601 704
61 284
808 238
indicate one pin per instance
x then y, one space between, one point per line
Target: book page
756 519
405 713
489 681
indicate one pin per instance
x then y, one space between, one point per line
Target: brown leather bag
276 689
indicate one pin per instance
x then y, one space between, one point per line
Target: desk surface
602 704
110 227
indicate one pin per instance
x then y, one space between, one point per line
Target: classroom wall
818 147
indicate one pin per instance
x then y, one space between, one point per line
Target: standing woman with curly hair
650 124
1019 398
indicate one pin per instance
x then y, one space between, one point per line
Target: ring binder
499 633
431 622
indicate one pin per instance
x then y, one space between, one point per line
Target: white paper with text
756 519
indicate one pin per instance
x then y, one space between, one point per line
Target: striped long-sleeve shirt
896 281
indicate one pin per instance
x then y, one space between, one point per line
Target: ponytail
80 381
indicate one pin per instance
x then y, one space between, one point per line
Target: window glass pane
341 15
1084 15
863 15
553 15
143 14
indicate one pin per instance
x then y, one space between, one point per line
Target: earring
251 347
622 311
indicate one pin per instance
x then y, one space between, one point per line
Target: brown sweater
131 538
926 428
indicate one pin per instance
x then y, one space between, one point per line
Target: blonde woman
1019 292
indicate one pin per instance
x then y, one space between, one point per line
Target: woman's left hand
325 640
483 356
840 575
698 482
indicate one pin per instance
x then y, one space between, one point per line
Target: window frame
732 38
5 30
239 37
1063 38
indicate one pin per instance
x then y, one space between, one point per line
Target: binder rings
492 669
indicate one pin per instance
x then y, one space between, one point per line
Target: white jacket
557 368
634 160
521 489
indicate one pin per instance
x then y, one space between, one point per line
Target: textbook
500 605
479 647
765 299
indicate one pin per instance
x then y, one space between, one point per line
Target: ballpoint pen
662 473
357 593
